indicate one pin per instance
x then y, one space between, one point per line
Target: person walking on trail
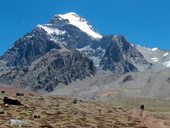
142 107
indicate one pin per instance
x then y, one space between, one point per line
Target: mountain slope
159 58
47 46
65 50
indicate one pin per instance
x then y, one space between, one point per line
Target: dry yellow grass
61 112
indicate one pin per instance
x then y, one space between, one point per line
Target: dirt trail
148 121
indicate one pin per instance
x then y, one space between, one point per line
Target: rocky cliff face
54 68
121 56
30 47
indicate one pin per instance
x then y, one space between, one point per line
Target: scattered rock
19 94
127 78
9 101
75 101
3 92
149 80
19 123
2 112
37 116
168 80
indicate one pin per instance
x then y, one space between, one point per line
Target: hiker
142 107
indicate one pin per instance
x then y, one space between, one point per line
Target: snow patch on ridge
94 54
155 59
80 23
51 30
167 64
154 49
166 54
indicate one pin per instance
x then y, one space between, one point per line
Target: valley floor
42 111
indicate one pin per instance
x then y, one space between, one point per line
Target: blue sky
144 22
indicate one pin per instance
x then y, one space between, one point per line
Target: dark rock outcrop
127 78
121 56
9 101
30 47
54 68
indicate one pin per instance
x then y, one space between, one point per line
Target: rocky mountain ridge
65 50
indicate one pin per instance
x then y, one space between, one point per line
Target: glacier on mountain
80 23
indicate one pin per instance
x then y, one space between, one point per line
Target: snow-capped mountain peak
81 23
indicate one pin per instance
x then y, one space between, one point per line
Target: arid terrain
42 111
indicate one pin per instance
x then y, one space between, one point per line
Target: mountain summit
70 19
81 23
65 50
